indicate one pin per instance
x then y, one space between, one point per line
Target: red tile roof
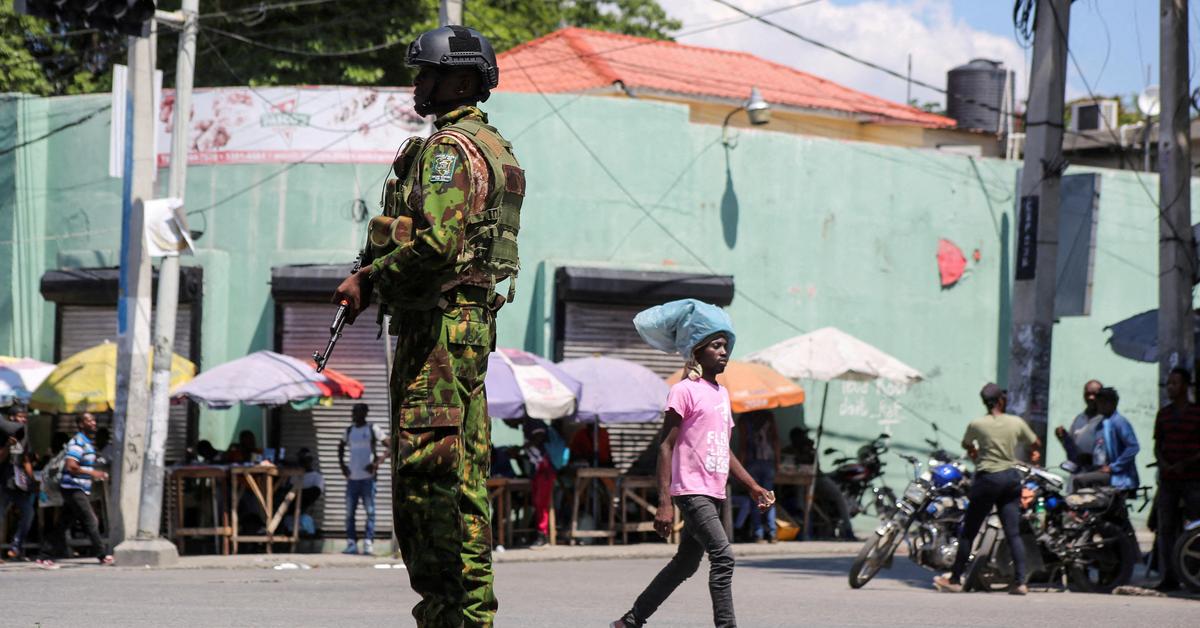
579 60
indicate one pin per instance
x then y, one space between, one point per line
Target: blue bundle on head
679 326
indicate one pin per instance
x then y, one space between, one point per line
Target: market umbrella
828 354
616 390
19 377
1136 337
754 387
263 378
87 381
339 384
521 384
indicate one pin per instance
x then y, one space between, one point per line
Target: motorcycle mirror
1069 467
884 436
829 451
931 442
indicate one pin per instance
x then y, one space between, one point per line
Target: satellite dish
1148 102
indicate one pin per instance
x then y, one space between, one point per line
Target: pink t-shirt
700 462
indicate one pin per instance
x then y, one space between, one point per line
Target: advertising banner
254 125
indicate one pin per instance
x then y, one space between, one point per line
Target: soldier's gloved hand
356 291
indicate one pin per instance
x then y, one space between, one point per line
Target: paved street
769 591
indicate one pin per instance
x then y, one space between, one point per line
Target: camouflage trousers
442 450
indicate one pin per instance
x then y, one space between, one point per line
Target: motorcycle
860 477
1187 556
927 517
1083 539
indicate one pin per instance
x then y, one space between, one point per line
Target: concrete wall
816 232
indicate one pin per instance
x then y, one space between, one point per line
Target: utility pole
1037 220
152 549
1176 256
450 12
133 325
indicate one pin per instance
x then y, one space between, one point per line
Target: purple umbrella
521 384
617 391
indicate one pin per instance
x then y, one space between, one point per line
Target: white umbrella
825 355
830 353
20 377
263 378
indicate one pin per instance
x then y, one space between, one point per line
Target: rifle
339 322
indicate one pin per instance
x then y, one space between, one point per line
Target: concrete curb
523 555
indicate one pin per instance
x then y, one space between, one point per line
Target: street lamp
757 110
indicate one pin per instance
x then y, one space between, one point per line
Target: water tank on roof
975 94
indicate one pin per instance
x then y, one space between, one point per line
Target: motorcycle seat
1092 498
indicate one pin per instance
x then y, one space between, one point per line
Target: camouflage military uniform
445 323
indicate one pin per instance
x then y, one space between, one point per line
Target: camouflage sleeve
439 231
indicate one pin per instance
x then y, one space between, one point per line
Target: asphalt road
780 591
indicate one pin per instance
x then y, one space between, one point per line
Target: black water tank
975 94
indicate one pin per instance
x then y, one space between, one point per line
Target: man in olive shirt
991 442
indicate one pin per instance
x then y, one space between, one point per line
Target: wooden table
261 480
586 479
637 489
218 475
498 497
802 476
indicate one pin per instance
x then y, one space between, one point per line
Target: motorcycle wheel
1106 566
873 556
981 574
1187 560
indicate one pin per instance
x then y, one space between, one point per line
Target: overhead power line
304 53
56 130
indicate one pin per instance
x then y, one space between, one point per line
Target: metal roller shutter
359 354
592 329
85 326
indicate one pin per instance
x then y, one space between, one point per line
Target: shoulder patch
442 168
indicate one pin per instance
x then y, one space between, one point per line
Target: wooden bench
222 531
587 480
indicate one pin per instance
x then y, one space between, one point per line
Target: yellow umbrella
754 387
87 381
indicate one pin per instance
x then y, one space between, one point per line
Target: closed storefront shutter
359 354
84 326
592 329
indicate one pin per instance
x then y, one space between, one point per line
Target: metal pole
133 326
1176 257
1037 220
810 494
450 12
150 514
1146 144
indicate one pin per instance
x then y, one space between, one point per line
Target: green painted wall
815 232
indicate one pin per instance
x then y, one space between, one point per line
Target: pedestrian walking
991 442
362 439
78 477
462 189
1177 450
18 486
694 460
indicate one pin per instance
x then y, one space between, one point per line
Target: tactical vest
490 249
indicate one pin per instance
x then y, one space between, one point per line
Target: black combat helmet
456 46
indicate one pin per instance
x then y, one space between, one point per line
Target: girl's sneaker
46 563
106 560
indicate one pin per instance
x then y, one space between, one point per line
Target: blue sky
1113 40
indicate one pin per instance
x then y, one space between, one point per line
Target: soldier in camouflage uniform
456 212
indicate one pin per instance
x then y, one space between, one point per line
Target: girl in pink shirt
694 461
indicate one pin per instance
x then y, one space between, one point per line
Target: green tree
273 42
39 58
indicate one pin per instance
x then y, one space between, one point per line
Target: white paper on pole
166 229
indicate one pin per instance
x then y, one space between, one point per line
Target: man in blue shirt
1114 449
79 473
